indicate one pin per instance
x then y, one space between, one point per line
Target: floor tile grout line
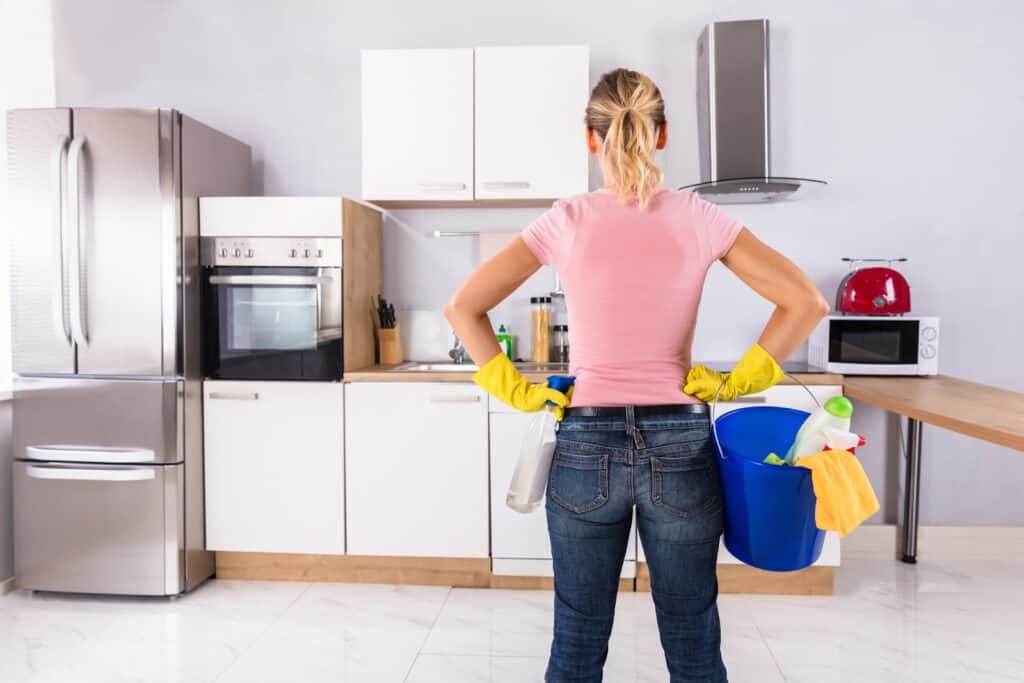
767 646
263 632
430 630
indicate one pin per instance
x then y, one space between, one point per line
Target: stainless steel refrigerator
107 413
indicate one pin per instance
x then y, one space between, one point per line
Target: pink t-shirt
632 279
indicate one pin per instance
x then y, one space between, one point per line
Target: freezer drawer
100 421
115 529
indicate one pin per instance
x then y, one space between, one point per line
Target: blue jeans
664 466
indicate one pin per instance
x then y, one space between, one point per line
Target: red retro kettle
874 290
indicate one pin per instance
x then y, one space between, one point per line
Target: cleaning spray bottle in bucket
834 414
526 492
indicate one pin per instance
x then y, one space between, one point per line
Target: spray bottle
526 492
835 414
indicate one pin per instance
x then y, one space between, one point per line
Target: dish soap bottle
526 492
834 414
505 341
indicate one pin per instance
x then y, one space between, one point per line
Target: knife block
391 352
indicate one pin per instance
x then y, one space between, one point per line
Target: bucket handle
714 403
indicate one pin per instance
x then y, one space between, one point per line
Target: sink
438 367
536 368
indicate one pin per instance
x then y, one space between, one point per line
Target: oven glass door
272 323
882 341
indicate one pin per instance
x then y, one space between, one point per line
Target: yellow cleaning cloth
845 497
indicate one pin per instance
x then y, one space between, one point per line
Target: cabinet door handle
441 187
749 399
506 184
234 396
455 398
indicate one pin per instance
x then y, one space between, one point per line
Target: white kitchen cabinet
519 542
529 121
274 466
787 396
417 128
416 469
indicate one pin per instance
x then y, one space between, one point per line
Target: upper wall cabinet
436 129
418 124
529 121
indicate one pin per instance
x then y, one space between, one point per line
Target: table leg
912 494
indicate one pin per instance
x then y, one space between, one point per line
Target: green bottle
505 341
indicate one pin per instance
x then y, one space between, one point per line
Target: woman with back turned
632 258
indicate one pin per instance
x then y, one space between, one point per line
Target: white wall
910 109
26 80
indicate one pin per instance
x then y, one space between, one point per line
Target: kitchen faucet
458 351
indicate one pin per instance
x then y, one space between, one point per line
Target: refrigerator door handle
57 301
78 294
98 454
89 474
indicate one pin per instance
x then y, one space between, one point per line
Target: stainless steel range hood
733 119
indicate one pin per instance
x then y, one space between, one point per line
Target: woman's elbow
451 311
817 305
456 310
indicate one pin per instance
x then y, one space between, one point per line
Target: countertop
393 373
978 410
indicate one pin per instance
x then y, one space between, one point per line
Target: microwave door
124 224
38 140
874 343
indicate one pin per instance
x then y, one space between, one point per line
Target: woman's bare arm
487 287
799 306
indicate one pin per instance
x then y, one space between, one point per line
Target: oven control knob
238 253
927 351
250 253
306 253
293 253
928 333
223 251
319 253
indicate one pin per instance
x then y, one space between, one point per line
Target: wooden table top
977 410
392 373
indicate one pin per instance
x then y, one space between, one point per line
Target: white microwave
876 345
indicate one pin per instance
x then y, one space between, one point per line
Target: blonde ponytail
626 111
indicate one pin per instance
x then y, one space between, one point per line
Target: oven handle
285 280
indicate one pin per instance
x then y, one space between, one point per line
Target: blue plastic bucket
769 509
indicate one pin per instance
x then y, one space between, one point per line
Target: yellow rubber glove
499 378
755 371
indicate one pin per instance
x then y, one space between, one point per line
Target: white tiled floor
943 620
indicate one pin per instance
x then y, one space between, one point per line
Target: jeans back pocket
579 481
686 483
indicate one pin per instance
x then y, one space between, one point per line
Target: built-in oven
272 308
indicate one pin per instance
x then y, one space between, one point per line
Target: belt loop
631 428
